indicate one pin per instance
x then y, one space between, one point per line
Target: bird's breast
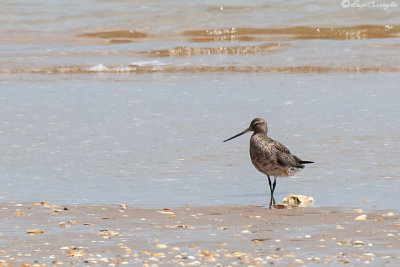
260 155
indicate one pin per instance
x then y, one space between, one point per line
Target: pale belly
271 167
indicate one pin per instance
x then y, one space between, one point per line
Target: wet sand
41 234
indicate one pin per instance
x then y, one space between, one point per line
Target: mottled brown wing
278 146
284 157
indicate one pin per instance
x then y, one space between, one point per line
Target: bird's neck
260 133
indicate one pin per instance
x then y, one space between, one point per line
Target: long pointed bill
239 134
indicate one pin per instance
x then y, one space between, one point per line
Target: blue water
156 140
110 118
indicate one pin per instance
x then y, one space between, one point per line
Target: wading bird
270 157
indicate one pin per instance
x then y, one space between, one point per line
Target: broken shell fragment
358 211
298 200
357 243
108 233
165 212
45 203
35 231
19 213
75 252
67 224
362 217
161 246
280 206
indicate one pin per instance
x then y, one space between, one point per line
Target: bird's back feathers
264 147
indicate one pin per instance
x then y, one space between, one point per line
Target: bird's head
257 125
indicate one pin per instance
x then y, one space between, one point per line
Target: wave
160 68
299 32
251 34
115 34
226 50
116 37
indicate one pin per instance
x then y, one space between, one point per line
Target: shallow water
128 102
153 140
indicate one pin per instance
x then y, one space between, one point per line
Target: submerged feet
271 202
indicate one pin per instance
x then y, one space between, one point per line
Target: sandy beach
43 234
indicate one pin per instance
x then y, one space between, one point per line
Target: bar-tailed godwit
270 157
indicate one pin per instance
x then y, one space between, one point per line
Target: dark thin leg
271 189
269 182
274 185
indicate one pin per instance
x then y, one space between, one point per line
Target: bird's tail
306 162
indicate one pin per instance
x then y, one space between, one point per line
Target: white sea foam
148 63
130 67
99 67
123 69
